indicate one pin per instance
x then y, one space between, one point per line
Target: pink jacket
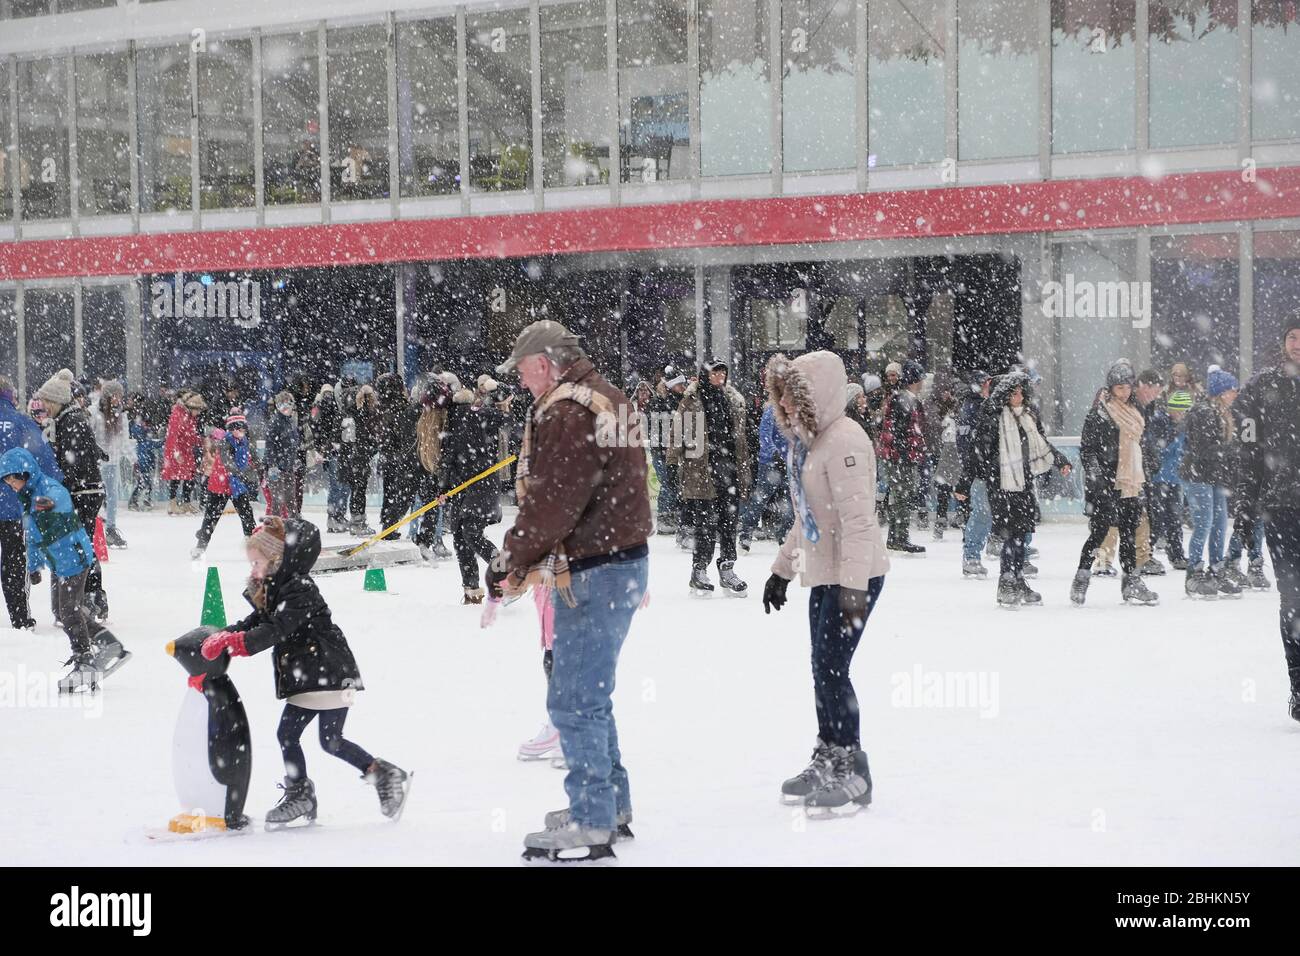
839 477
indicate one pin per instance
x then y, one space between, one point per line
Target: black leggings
186 489
13 571
1283 533
294 721
87 505
215 507
470 544
1126 515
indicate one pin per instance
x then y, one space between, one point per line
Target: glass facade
103 134
1276 270
1195 295
1194 86
653 92
1094 75
499 89
358 102
9 335
427 111
905 83
817 93
8 153
576 95
1275 84
226 177
735 88
43 172
997 79
103 333
48 333
165 141
291 118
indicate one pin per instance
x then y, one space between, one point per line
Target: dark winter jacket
470 446
1268 419
20 431
325 425
902 434
397 418
54 533
282 442
1210 456
310 652
358 436
967 421
1099 455
1157 435
77 452
724 455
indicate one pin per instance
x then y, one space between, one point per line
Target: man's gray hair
563 356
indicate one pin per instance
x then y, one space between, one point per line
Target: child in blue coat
56 539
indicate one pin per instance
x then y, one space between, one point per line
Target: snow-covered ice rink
1107 735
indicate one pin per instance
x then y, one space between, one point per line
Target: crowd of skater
816 462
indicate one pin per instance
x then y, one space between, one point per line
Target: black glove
492 579
853 606
35 577
774 593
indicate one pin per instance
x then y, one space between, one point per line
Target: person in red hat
234 479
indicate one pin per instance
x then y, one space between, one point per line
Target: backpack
429 428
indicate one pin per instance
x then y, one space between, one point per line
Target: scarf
552 572
796 455
1129 476
1011 455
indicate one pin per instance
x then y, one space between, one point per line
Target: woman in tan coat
836 546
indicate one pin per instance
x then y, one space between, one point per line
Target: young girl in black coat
315 673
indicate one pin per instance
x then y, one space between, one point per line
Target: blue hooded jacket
21 431
55 536
771 443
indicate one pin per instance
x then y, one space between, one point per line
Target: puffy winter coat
77 452
358 436
282 442
838 475
55 536
310 653
397 418
1268 472
771 443
20 431
227 477
181 445
468 448
1210 456
695 470
902 433
1099 455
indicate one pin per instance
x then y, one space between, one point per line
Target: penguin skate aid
836 547
596 565
316 674
56 540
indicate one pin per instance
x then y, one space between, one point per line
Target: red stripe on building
1054 206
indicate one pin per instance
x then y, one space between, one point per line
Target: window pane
7 151
500 100
28 8
653 107
358 98
1193 72
1094 70
817 84
1277 290
1276 64
427 111
163 92
72 6
103 134
1195 314
48 334
43 138
735 88
226 125
997 75
9 336
291 118
103 332
575 95
905 79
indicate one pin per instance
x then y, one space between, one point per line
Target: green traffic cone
214 608
375 580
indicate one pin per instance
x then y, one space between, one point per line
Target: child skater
234 478
315 673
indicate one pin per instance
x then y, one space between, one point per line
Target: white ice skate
546 744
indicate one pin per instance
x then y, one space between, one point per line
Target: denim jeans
1255 548
978 524
834 640
336 502
109 471
769 484
1209 506
588 639
669 501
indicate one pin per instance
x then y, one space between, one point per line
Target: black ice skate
731 584
1293 705
1232 571
392 783
1028 570
1255 577
847 791
701 586
298 802
572 844
1008 591
1152 568
109 654
1199 586
1227 588
82 676
811 779
974 568
559 819
1134 591
1027 594
1079 586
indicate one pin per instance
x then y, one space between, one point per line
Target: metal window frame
394 148
74 170
462 108
693 96
323 116
612 103
861 93
535 93
259 146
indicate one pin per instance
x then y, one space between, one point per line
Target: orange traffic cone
100 542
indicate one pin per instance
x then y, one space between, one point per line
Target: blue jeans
834 641
979 524
669 502
769 483
336 501
108 472
588 639
1209 506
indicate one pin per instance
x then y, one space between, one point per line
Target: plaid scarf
552 572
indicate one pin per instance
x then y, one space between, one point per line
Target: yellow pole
415 514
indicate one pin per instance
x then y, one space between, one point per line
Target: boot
700 583
472 596
1008 590
559 819
899 539
1134 591
811 779
82 676
299 801
1152 568
974 568
1199 585
1293 705
441 551
1027 594
729 581
114 538
173 507
1227 587
390 782
1079 586
1029 570
746 540
847 791
572 844
1232 571
1255 578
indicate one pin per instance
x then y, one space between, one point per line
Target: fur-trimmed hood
819 386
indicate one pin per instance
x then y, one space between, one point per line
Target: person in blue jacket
18 431
57 540
769 481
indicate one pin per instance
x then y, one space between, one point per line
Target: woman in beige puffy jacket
836 547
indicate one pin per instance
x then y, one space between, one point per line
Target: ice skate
358 528
729 581
745 541
974 568
1152 568
1255 577
847 791
1293 705
559 763
114 538
811 779
685 540
1008 591
1178 564
98 605
1199 586
441 551
1028 595
572 844
1104 569
472 596
23 623
1079 587
1028 570
173 507
109 654
666 525
900 541
700 584
334 525
1232 571
559 819
1226 586
993 547
392 783
82 677
298 802
1134 591
545 744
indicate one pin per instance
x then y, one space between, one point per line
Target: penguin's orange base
186 823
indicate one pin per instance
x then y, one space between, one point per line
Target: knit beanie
1217 381
1290 323
894 368
1179 400
235 419
194 401
853 392
870 383
267 538
485 383
57 389
284 398
911 374
1121 373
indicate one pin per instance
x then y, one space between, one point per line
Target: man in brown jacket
584 517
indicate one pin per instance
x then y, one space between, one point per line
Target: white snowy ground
1112 735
